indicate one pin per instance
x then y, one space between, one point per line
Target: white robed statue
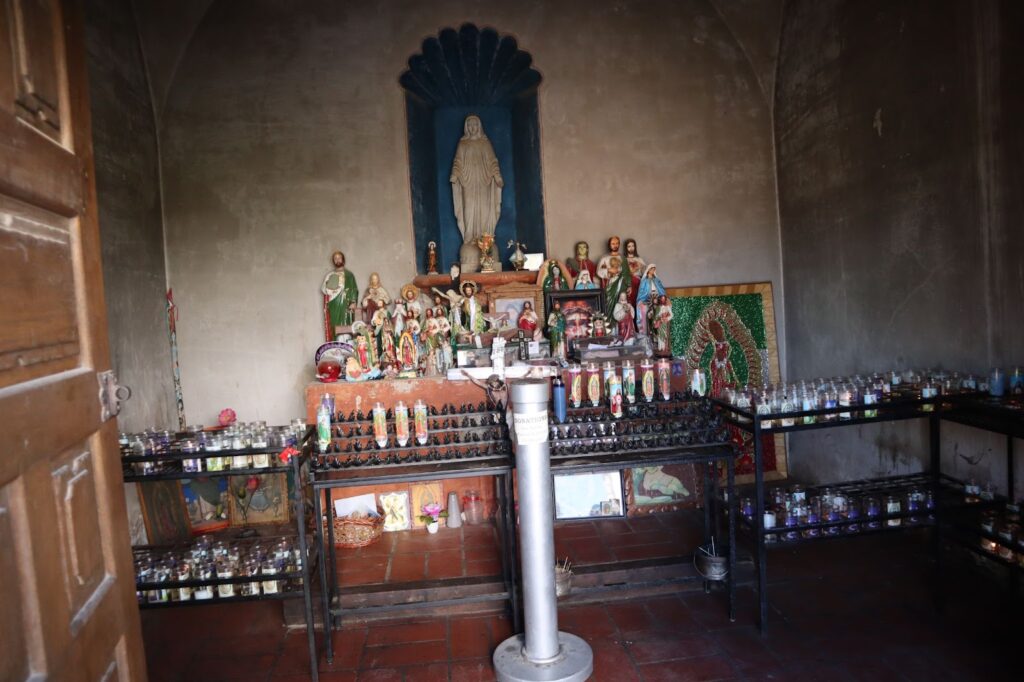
476 182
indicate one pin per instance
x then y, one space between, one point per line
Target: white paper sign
531 428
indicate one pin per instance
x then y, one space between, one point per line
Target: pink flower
432 509
227 417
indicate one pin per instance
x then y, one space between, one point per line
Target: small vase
432 527
486 262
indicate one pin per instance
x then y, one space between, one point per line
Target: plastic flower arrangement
432 512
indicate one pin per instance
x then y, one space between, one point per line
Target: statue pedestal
469 258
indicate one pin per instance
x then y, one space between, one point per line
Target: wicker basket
355 533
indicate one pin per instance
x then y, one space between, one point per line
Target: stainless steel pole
542 652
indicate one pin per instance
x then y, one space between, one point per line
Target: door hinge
111 394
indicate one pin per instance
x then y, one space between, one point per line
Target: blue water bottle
558 396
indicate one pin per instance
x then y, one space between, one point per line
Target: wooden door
67 597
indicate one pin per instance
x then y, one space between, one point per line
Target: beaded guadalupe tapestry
729 332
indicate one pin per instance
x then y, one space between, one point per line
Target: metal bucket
712 567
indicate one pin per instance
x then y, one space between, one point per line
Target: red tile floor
859 609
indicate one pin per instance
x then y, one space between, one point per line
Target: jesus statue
476 182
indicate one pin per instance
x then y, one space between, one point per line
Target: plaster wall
131 228
284 138
901 246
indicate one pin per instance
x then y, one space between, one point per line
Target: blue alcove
462 73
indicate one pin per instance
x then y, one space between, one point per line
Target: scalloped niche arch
457 73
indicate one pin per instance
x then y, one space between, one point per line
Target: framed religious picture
511 299
164 514
587 495
423 494
728 331
661 488
208 503
259 498
578 307
554 276
396 510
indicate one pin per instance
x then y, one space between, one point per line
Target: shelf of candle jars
606 445
1000 415
467 436
898 409
480 411
993 548
233 568
798 514
412 456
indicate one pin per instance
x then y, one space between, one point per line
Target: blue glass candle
996 383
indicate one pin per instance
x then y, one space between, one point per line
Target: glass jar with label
183 572
143 574
872 510
249 568
853 513
190 465
812 517
204 571
214 443
269 568
161 574
893 507
225 570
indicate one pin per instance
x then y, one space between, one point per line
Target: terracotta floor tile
433 672
407 567
330 676
611 662
480 670
481 552
348 647
380 675
487 567
469 638
403 633
444 564
574 529
665 648
691 670
404 654
664 549
588 622
501 629
587 551
631 618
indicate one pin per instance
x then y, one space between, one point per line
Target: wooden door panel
40 334
38 64
14 652
77 514
67 607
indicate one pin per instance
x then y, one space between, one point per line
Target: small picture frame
423 494
258 499
509 299
588 495
579 307
395 507
662 488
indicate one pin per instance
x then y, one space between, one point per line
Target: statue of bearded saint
476 182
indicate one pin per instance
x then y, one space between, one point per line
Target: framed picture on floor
729 332
423 494
208 503
259 498
663 488
396 510
164 514
588 495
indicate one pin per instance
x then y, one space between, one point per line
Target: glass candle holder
853 513
629 381
269 568
593 385
225 569
401 424
872 511
419 419
250 568
647 380
204 571
893 506
665 378
183 572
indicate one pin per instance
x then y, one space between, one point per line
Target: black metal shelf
182 475
500 415
283 594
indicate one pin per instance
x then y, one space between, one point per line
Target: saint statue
581 261
647 296
663 327
552 278
636 266
472 312
623 314
476 182
583 281
556 331
375 296
340 295
528 321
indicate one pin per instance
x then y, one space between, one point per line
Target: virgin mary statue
476 182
